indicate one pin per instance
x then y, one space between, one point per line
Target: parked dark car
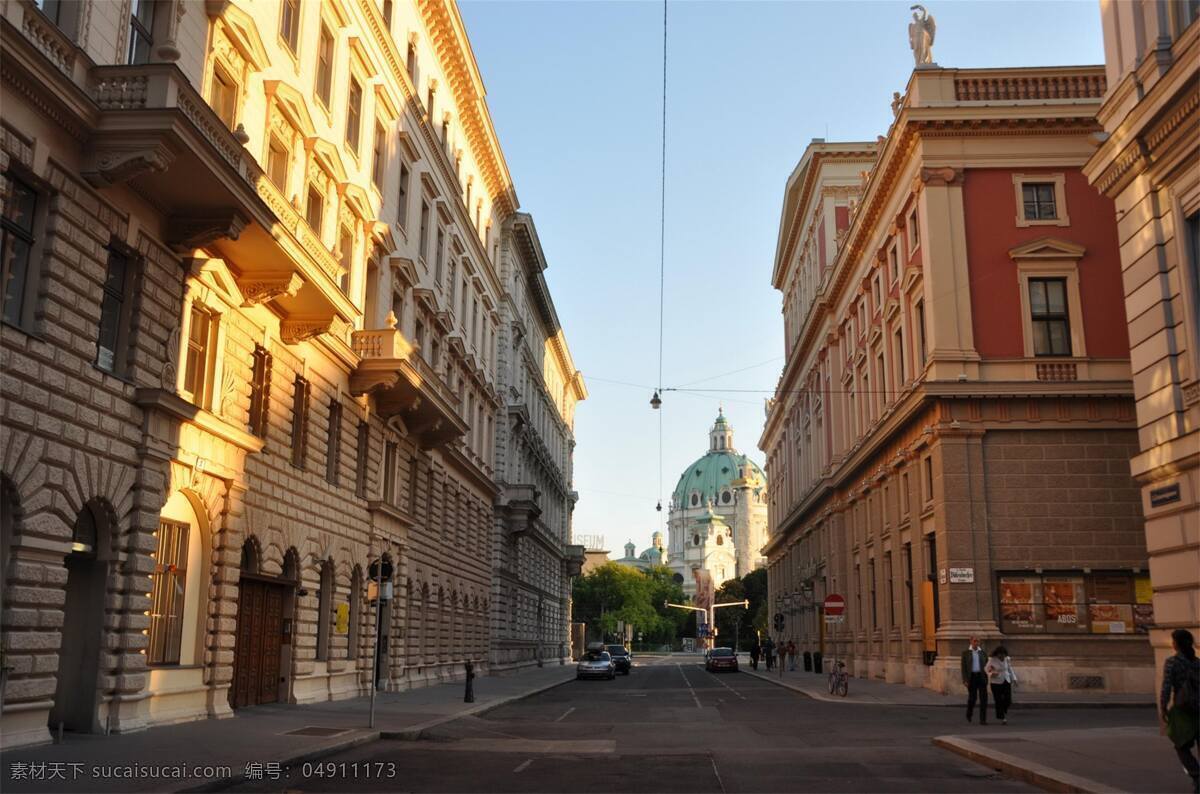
721 659
622 658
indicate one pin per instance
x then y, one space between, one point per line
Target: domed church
718 515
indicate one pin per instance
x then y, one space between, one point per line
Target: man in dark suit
974 660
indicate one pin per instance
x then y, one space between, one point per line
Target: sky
575 91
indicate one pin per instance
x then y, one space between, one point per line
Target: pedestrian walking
1179 702
974 663
1001 678
791 653
769 652
755 652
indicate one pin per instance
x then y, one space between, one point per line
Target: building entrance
259 645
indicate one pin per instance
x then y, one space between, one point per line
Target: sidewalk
1125 759
873 691
284 734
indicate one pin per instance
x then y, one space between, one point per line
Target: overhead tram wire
656 401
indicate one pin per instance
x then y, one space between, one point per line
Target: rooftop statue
920 35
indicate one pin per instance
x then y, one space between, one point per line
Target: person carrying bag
1002 678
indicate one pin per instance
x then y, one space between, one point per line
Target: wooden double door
257 654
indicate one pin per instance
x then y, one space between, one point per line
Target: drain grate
316 730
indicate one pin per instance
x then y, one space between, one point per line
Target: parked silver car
596 664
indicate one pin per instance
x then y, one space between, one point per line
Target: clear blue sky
575 91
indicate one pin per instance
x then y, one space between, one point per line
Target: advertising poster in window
1143 609
1111 607
1065 603
1019 597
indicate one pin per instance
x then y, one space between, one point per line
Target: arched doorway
77 695
262 648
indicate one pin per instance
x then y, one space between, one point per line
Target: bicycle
839 680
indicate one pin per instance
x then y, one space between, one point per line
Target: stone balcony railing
1009 87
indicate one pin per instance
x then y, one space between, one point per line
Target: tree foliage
744 621
612 594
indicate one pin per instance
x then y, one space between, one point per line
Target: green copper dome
712 476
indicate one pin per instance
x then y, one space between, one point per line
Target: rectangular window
877 294
333 449
224 97
379 163
1048 316
429 101
197 372
1038 201
900 376
363 451
874 605
17 226
314 210
114 313
894 261
354 114
260 391
325 66
390 455
289 23
141 27
910 605
346 246
402 196
921 352
858 599
167 588
300 404
387 13
891 588
914 231
277 163
411 61
904 494
439 256
423 239
928 463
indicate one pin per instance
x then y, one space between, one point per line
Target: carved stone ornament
170 369
185 233
263 287
941 177
109 165
921 32
295 331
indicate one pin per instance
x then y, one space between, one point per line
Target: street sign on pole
834 608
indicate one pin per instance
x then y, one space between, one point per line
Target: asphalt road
672 727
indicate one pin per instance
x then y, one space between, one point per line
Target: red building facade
950 440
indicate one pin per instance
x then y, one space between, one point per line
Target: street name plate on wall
1164 495
962 575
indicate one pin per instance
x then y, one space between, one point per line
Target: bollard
469 696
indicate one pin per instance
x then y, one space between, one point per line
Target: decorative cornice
267 286
295 331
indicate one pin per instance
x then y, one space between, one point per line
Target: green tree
752 587
612 594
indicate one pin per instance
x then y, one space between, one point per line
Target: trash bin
808 661
817 662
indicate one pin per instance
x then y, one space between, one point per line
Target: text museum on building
268 319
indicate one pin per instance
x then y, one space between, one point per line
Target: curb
953 702
1044 777
367 736
414 732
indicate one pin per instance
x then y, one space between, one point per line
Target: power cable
662 254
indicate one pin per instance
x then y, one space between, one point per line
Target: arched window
324 610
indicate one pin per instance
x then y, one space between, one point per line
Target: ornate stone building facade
533 555
249 343
1149 164
947 445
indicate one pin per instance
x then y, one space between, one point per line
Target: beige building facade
1148 162
947 445
251 309
534 556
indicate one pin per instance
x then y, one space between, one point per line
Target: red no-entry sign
835 605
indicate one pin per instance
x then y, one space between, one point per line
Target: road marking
565 713
720 782
727 686
689 684
523 766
